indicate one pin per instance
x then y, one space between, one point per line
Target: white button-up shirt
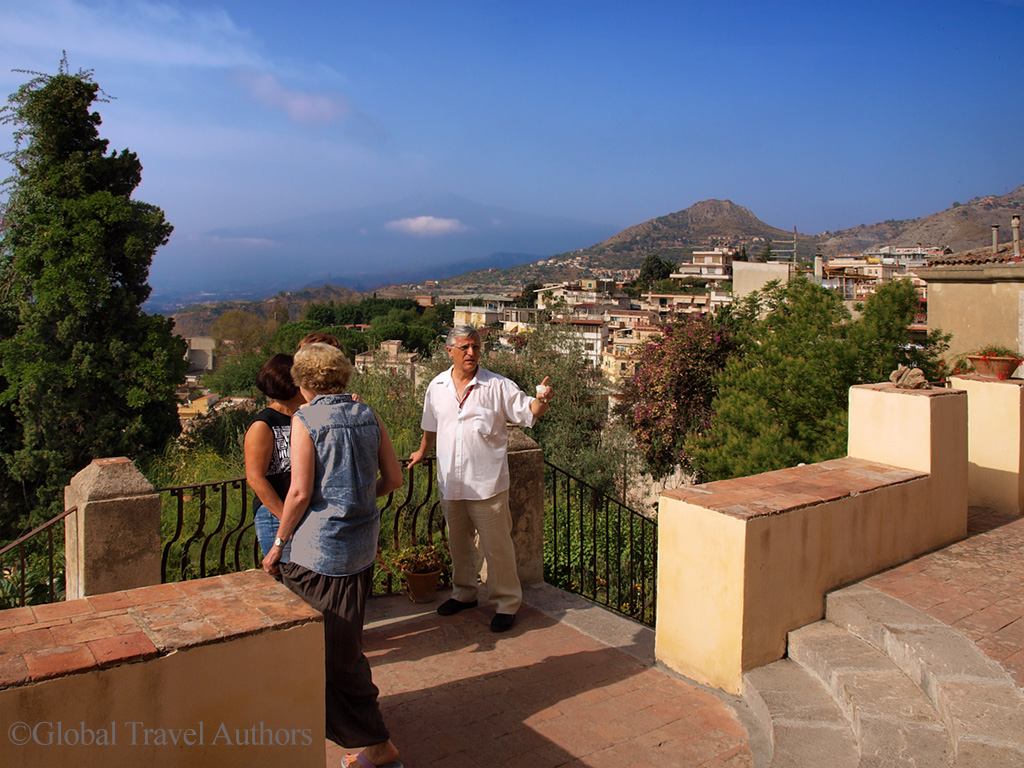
472 436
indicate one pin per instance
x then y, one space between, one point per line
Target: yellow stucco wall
794 559
265 688
954 307
925 430
700 592
995 453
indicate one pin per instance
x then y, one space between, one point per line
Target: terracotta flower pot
994 367
421 587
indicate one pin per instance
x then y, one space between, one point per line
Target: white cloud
305 108
427 226
249 242
138 32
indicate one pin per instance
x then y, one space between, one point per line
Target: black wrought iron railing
594 545
32 568
208 529
597 547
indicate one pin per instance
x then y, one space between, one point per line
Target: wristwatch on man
279 542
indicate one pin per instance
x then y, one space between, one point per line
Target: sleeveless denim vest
338 534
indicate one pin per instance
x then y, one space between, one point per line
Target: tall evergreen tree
84 372
653 269
782 400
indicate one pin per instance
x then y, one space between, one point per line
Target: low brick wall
742 562
221 671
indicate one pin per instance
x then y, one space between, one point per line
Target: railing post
526 500
112 542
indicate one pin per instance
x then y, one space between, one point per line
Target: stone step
893 723
805 726
981 708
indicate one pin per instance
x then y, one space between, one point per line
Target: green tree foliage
320 315
670 397
285 340
528 298
236 376
393 396
84 372
413 336
358 312
784 399
881 335
442 316
401 319
652 270
238 332
572 433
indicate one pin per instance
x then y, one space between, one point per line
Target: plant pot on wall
421 587
994 367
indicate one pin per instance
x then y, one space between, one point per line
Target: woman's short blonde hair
321 368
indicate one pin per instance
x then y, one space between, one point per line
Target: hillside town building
715 264
959 284
390 357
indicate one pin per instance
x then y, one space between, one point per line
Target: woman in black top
268 466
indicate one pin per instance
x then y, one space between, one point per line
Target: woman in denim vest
342 460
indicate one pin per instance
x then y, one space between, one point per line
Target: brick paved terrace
570 685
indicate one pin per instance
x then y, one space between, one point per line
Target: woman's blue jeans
266 531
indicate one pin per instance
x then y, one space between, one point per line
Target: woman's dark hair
275 378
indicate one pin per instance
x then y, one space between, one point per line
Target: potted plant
994 361
421 567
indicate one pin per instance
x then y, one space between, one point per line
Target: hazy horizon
822 116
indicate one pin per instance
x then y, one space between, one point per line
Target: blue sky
821 115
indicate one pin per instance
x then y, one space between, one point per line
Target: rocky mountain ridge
706 224
712 223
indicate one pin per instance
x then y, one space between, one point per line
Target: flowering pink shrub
671 395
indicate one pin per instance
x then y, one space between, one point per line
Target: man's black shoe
452 606
502 622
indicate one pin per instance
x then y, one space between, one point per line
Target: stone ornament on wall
906 377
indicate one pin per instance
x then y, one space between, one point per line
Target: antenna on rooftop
788 250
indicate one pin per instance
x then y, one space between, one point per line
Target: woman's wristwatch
279 542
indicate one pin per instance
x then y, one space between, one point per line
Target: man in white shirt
465 411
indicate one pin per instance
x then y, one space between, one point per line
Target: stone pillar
112 542
526 500
921 429
995 443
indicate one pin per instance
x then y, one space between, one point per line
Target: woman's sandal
366 762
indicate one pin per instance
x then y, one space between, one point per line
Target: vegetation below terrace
759 387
